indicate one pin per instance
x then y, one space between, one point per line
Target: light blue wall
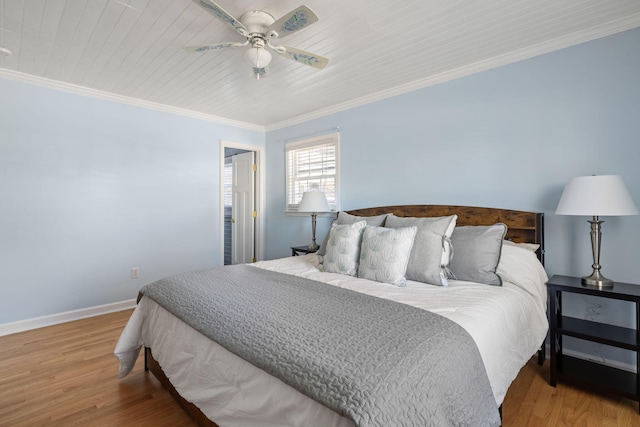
509 137
91 188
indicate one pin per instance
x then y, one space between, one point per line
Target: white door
243 208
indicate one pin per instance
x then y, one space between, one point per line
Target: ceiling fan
260 28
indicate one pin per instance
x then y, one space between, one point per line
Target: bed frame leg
146 367
541 355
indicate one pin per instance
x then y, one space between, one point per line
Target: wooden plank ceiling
133 48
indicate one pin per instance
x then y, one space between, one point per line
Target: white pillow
385 253
343 248
522 268
530 246
347 218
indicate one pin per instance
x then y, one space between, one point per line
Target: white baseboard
67 316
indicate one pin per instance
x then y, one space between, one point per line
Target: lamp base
313 247
597 280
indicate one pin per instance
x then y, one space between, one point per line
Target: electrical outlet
135 272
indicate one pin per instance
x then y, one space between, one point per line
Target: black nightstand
592 375
302 250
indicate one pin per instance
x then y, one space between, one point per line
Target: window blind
312 165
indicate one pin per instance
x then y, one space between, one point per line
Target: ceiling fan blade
217 11
216 46
293 21
302 56
260 73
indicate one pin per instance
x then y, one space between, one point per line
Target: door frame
260 195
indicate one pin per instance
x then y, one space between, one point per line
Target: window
228 182
312 165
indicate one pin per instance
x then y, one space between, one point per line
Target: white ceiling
132 49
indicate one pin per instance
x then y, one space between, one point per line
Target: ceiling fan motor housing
257 22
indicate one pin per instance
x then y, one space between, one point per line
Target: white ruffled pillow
343 248
385 253
344 219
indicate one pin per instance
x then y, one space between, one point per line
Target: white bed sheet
227 389
507 323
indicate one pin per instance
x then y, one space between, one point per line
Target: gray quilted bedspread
377 362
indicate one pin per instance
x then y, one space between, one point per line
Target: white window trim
311 142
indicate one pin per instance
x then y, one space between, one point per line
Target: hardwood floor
66 375
532 402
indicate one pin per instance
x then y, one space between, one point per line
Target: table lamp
597 195
313 202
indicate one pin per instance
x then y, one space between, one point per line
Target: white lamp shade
597 195
313 201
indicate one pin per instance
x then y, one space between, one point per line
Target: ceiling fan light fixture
259 28
257 56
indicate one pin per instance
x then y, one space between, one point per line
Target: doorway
241 179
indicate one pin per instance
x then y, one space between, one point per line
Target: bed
506 324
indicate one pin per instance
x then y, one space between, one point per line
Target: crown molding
628 23
85 91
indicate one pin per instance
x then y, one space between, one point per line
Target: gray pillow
343 248
431 250
385 252
476 253
345 218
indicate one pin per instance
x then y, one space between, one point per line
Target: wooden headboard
522 227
